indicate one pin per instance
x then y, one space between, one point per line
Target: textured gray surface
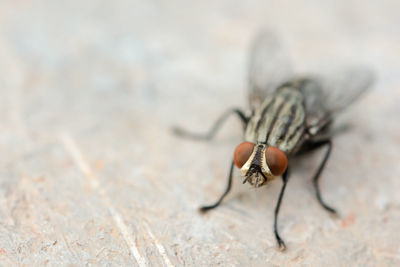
90 173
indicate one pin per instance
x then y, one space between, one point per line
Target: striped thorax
280 121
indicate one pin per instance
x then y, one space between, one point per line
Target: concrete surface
91 175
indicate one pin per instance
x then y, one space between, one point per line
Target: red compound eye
276 160
242 153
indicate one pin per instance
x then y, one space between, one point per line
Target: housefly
290 115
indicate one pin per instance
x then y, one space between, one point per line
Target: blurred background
91 174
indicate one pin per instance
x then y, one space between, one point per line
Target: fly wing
269 67
330 94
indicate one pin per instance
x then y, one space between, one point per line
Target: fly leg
317 175
208 136
311 145
227 189
285 178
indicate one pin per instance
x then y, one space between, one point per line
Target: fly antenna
257 180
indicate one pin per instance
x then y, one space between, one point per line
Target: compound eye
276 160
242 153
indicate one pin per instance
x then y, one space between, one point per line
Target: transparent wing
269 67
329 94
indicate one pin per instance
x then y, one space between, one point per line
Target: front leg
227 189
285 178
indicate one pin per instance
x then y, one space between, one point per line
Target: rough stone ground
91 175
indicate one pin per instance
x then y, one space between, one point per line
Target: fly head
259 163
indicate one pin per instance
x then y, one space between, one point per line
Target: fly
290 116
